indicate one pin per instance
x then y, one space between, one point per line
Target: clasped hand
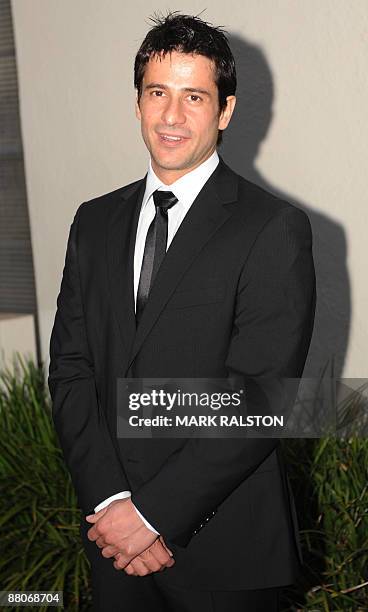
121 533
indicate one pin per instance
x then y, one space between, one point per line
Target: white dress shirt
185 189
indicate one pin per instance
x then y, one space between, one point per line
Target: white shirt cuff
106 502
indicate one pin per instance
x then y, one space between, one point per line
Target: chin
169 164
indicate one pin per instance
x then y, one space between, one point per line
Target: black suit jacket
235 295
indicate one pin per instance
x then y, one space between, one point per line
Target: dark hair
189 34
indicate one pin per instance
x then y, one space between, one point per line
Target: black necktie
155 248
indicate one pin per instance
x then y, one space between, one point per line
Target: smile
172 140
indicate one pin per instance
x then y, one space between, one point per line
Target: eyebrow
191 89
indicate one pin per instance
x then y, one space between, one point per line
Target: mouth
172 140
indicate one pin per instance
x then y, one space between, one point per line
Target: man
190 272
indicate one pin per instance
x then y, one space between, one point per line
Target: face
179 113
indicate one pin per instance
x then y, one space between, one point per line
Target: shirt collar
187 187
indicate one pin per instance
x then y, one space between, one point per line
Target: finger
129 569
117 566
164 545
92 534
131 548
110 551
140 567
169 563
149 560
121 561
158 552
162 552
93 518
101 542
156 558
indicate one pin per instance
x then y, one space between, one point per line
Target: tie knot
164 200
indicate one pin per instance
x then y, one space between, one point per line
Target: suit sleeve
79 421
272 328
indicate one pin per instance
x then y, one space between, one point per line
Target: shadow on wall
242 140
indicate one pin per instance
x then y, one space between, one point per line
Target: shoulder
100 206
282 226
258 207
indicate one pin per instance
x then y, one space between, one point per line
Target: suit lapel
205 216
121 233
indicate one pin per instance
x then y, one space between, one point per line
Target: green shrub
329 480
39 521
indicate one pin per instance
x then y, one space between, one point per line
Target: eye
157 91
195 96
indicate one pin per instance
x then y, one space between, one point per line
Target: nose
173 112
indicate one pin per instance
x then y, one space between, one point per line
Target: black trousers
180 600
114 591
143 594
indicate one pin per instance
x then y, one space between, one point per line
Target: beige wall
81 137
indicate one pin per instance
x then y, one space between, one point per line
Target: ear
226 113
137 109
